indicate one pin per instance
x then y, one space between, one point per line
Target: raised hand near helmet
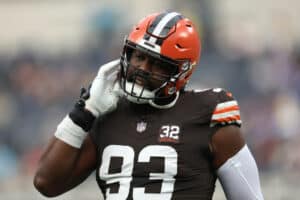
104 92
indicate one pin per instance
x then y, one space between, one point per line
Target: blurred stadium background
50 48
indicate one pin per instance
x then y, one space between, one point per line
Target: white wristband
70 133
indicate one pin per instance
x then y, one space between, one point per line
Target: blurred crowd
37 90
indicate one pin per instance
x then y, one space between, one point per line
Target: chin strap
137 89
166 106
147 96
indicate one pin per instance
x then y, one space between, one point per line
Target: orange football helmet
171 39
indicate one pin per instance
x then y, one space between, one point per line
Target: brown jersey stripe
226 109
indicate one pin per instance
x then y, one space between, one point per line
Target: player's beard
144 79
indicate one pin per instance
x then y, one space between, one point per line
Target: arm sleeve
239 177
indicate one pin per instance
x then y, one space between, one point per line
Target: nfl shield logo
141 127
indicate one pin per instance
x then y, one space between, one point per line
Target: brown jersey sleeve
226 111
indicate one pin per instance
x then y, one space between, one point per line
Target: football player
144 134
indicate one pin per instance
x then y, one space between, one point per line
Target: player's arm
234 163
62 166
236 167
71 156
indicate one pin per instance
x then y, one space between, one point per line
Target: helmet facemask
157 86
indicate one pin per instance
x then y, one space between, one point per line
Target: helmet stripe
156 21
154 24
167 28
161 21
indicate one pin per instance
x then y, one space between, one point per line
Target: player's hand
105 90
